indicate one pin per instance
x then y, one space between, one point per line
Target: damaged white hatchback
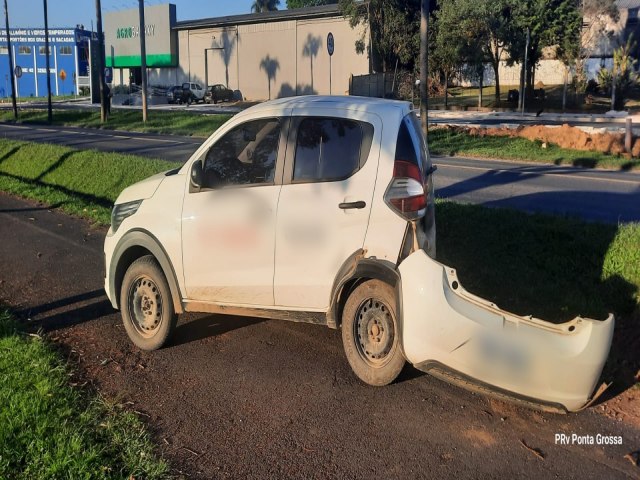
321 209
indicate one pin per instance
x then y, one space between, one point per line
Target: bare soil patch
565 136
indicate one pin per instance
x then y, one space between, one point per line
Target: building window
42 50
66 50
4 50
24 50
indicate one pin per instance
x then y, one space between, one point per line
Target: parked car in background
218 93
322 210
192 93
174 94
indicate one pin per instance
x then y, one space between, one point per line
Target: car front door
228 224
324 206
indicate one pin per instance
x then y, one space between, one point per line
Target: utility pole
143 60
424 67
524 76
100 56
614 80
11 66
46 48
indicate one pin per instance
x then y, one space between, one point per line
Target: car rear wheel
147 307
370 333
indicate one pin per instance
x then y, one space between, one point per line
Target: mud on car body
321 209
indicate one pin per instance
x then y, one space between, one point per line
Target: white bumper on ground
454 334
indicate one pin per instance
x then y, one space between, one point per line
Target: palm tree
265 5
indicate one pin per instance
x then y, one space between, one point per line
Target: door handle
349 205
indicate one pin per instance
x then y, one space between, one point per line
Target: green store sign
134 32
126 32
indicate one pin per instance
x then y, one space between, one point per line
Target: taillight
406 194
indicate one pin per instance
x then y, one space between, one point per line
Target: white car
321 209
192 92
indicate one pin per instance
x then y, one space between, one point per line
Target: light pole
100 57
46 49
11 66
524 76
143 60
424 66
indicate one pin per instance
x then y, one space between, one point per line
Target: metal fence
372 85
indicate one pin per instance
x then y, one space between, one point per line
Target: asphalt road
592 194
247 398
167 147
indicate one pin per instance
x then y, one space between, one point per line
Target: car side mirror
197 175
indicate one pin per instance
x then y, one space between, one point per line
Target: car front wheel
147 307
370 333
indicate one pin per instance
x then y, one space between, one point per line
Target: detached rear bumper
463 338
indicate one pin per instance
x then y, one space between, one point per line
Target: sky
69 13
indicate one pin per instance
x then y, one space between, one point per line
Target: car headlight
122 211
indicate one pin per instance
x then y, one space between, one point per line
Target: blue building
69 54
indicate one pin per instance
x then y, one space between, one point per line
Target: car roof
374 105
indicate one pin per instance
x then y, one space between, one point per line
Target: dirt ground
564 136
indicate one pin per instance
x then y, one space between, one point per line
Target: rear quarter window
330 149
410 145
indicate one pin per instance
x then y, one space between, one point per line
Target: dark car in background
174 94
218 93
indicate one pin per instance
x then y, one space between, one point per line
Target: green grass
80 182
552 267
50 430
54 98
175 123
454 143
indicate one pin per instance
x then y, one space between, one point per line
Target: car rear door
325 201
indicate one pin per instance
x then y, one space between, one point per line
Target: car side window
246 155
330 149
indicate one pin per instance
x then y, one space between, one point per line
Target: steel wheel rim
374 332
145 306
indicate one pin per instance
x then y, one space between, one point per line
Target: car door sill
318 318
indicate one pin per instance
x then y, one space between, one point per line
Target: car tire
146 304
370 333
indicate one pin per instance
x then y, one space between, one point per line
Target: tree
448 45
494 17
547 21
596 15
393 27
308 3
624 73
482 28
265 5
